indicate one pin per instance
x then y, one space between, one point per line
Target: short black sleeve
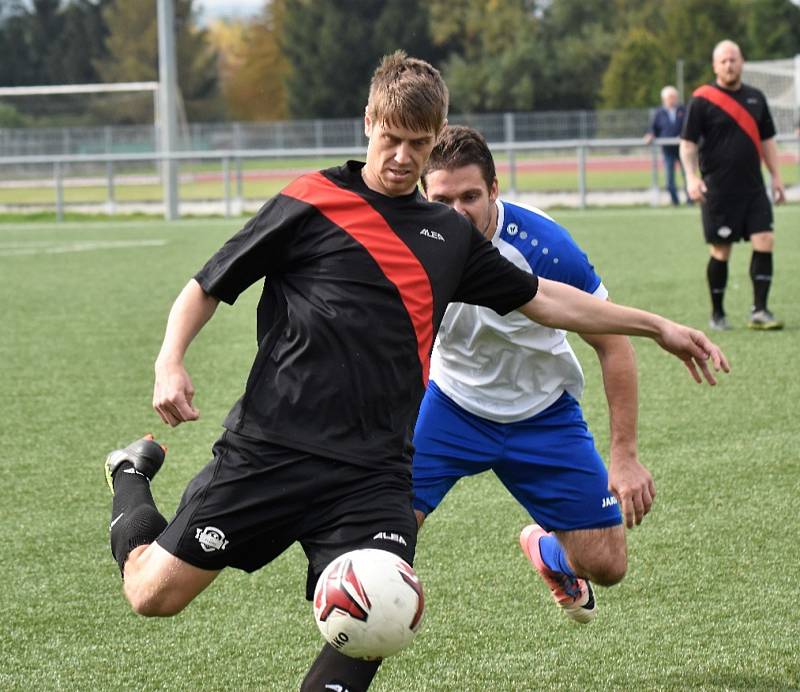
489 279
254 251
693 123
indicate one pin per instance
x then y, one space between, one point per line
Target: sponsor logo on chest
432 234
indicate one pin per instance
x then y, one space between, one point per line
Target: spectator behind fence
667 122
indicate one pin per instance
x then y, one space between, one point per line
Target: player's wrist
624 451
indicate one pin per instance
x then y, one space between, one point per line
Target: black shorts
255 498
731 218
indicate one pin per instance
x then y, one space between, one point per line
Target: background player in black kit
729 125
358 269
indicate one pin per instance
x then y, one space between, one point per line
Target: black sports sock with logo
717 273
761 274
135 520
334 671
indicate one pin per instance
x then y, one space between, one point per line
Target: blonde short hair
409 93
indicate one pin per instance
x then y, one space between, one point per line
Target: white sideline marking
55 247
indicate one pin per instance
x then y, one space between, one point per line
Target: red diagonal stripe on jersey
401 267
736 110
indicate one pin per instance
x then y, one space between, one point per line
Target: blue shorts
548 462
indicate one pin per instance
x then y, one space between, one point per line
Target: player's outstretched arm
565 307
173 390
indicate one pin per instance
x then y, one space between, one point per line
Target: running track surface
600 164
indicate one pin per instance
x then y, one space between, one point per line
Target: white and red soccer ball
368 604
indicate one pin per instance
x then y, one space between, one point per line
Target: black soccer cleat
146 455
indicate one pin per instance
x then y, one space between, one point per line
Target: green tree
11 117
50 42
132 56
253 69
333 47
494 58
578 37
772 29
79 43
16 66
691 30
636 73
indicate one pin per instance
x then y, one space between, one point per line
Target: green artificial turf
708 602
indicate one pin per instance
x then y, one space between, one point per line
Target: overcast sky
214 9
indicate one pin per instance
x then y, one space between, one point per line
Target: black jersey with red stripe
355 287
729 161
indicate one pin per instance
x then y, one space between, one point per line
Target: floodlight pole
679 79
167 111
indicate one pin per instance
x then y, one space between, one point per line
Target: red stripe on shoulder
401 267
735 110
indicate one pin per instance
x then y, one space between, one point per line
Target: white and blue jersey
509 368
504 393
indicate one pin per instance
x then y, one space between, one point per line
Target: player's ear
494 191
367 123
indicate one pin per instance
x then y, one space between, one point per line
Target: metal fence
320 134
574 159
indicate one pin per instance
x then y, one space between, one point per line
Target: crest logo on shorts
512 229
211 539
724 231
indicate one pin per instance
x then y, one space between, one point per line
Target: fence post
239 186
226 176
654 179
582 175
111 205
508 128
59 183
318 139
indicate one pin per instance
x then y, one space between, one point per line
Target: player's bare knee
612 573
607 570
604 568
148 601
155 605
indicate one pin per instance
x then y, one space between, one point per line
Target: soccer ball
368 604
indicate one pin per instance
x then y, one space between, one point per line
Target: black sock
761 274
717 273
135 520
331 668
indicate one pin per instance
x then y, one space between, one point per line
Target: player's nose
403 152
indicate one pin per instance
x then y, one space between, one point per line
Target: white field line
56 247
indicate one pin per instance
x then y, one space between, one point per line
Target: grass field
709 602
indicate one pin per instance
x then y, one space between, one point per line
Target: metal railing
74 169
345 132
